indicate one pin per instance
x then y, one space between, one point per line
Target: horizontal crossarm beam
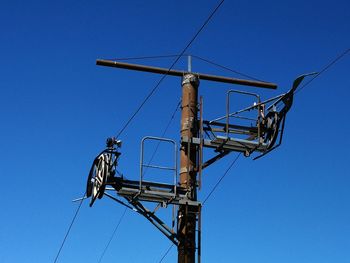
179 73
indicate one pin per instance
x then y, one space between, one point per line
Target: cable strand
69 228
112 236
163 134
334 61
146 57
221 178
170 68
227 68
166 253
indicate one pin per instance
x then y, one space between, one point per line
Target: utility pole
185 193
187 215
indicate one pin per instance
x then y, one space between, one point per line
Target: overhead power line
147 57
186 55
163 134
226 68
325 68
170 68
221 178
166 253
112 236
69 228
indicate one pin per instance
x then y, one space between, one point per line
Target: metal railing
143 165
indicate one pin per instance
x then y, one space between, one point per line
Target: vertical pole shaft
188 175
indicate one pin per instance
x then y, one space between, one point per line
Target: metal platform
151 192
229 144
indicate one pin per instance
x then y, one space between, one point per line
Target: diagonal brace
157 222
215 158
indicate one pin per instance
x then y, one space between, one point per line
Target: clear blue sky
57 108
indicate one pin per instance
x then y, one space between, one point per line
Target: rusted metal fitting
187 124
190 78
